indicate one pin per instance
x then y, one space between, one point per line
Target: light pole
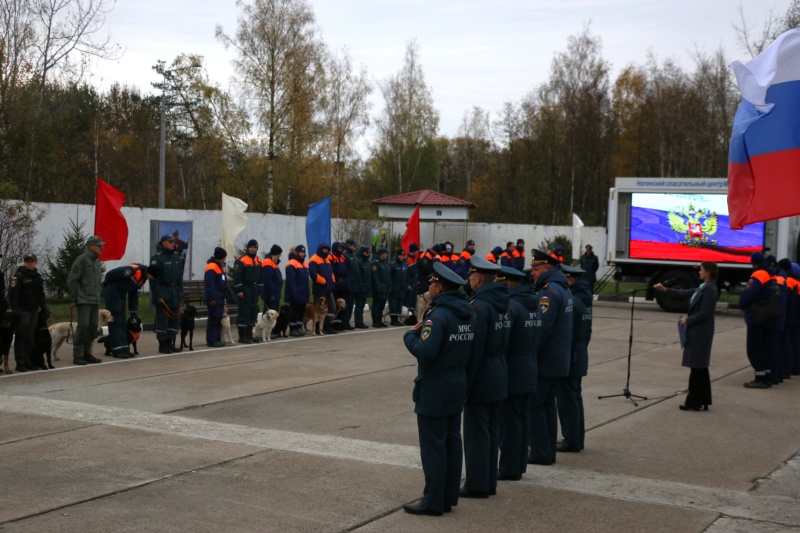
162 158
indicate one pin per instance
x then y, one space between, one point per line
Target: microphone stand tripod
626 392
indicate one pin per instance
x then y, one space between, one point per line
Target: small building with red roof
432 206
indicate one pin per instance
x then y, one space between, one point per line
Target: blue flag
318 225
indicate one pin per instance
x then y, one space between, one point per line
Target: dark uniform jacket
523 311
169 285
296 291
463 263
26 292
247 272
128 280
364 276
487 371
380 279
589 264
581 328
321 272
412 273
442 347
760 286
507 260
555 340
352 270
398 273
425 269
85 279
215 283
699 324
271 282
338 266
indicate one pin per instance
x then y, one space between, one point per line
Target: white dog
226 326
403 313
60 330
423 301
264 324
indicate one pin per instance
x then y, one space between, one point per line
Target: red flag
109 223
411 236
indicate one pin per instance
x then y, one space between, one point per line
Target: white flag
577 224
233 222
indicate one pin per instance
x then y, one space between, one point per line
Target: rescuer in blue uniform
271 279
488 379
441 344
425 266
364 286
398 273
247 286
523 314
760 337
215 283
568 393
552 356
338 260
119 283
380 287
167 293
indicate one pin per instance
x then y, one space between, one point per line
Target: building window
438 212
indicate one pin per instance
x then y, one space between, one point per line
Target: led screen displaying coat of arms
689 227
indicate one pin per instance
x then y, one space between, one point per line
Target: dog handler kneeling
121 282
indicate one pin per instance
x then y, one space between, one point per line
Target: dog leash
168 311
70 331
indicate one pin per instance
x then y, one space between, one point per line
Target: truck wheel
678 279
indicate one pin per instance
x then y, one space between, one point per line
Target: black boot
175 349
243 338
395 321
252 338
163 347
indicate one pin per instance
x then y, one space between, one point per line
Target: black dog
42 346
187 325
6 336
133 328
282 323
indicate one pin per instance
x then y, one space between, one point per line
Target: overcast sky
473 53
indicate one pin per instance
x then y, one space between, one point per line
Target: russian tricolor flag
764 157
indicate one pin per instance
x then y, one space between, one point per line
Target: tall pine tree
55 279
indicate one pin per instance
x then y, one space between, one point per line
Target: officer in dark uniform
364 286
398 273
167 292
413 269
351 287
215 282
553 353
568 394
119 283
760 337
380 287
515 430
339 268
27 299
247 286
441 344
488 379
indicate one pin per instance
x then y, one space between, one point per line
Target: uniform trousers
441 453
24 336
699 388
396 304
411 300
795 350
544 421
86 331
570 411
248 307
214 325
117 330
515 430
758 347
481 444
296 312
167 325
358 310
378 305
347 313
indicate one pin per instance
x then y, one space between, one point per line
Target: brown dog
60 330
315 312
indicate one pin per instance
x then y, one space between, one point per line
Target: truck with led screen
660 229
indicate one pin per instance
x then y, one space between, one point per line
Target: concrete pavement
318 434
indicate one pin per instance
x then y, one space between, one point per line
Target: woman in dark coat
699 335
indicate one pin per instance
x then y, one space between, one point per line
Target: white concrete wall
286 231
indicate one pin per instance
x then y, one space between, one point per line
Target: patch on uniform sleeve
13 281
374 267
153 262
128 272
426 331
544 304
749 282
